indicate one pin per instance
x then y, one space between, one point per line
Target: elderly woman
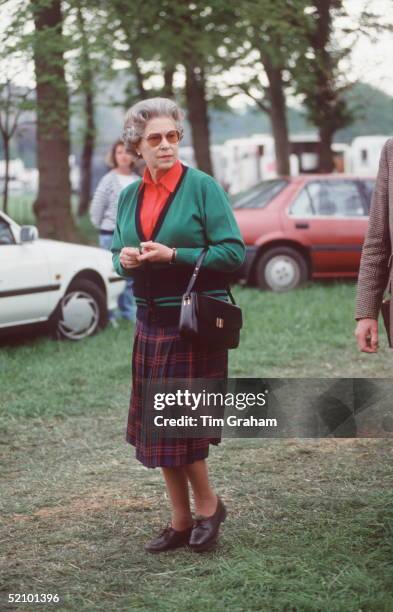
170 216
103 210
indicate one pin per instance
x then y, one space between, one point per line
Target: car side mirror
28 233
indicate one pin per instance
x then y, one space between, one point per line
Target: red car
304 227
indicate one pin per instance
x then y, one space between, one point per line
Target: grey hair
140 113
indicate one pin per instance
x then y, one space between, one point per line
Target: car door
367 186
24 280
329 216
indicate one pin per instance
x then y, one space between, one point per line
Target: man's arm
374 269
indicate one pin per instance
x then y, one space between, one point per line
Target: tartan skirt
159 352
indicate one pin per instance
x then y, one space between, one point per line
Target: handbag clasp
219 322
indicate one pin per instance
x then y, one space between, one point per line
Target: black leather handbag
207 321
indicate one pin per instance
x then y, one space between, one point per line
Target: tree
89 67
265 42
184 36
190 36
13 102
127 32
87 89
195 94
53 204
320 80
321 73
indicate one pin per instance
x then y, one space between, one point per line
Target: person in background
103 210
375 272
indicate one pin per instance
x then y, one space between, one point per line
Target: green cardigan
197 214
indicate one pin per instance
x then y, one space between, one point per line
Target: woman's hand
155 251
129 257
367 335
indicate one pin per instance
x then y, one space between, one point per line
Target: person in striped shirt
103 210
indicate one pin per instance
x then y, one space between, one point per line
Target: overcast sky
372 62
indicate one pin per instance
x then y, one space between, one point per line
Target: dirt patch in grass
77 509
93 503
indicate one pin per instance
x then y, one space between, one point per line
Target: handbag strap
196 272
194 276
230 295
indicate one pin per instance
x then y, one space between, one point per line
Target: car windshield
259 195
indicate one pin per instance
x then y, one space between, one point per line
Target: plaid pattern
159 352
375 260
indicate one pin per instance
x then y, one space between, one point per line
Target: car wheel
80 312
281 269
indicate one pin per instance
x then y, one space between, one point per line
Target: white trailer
23 179
240 163
16 174
364 154
253 159
187 157
248 161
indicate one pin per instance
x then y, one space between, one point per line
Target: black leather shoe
205 532
169 539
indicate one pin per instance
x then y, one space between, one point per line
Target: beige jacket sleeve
374 263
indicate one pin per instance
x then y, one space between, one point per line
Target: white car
69 286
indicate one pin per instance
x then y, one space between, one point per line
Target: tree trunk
87 86
87 156
140 81
278 114
168 91
6 146
197 114
326 163
53 204
326 115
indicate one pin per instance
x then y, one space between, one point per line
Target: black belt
106 232
161 315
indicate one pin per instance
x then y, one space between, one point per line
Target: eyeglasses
172 137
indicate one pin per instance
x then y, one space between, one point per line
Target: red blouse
155 196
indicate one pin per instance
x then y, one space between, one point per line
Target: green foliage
145 38
374 112
266 36
318 74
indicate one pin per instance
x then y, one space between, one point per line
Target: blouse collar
169 180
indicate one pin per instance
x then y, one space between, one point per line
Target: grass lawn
20 209
310 522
